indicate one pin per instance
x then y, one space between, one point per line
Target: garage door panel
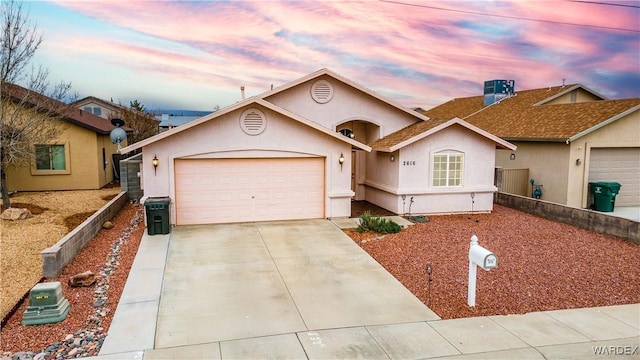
237 190
620 165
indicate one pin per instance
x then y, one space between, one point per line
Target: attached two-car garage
209 191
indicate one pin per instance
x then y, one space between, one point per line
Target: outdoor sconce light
578 162
392 158
155 163
341 160
512 156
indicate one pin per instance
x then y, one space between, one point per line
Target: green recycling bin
604 195
157 210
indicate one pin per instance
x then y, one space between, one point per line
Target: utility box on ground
46 305
604 195
157 211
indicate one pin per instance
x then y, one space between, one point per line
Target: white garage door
620 165
212 191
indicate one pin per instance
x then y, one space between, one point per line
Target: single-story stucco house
567 136
308 148
79 158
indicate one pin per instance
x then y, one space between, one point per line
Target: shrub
377 224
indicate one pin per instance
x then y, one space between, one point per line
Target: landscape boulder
15 214
86 278
108 225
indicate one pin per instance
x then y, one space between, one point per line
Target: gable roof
346 81
526 116
69 113
421 130
261 99
250 101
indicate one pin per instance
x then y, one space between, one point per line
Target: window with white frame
51 157
448 169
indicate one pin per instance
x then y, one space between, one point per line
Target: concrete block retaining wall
57 256
584 218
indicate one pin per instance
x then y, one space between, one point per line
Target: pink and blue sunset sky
196 54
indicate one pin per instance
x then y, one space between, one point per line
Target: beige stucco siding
548 165
623 133
414 167
84 166
223 137
347 104
575 96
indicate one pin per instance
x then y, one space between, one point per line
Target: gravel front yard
22 240
542 265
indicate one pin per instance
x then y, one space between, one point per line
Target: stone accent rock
107 225
86 278
15 214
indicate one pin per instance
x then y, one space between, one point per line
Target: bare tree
27 116
140 123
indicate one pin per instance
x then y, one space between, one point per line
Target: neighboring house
306 149
567 136
103 108
79 158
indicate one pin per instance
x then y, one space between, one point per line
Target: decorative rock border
88 340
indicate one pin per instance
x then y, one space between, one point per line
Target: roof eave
529 139
602 124
186 126
252 100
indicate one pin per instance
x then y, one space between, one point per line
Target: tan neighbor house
567 136
306 149
79 158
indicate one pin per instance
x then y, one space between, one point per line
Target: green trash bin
604 195
157 210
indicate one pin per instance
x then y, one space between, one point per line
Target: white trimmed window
447 169
51 159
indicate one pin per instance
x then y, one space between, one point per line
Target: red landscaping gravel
542 265
15 337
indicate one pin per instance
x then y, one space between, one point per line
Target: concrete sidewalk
288 298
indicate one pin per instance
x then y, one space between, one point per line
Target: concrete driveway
251 280
226 282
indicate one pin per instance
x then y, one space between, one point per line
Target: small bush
377 224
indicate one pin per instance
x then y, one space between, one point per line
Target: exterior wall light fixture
392 158
341 160
155 163
512 156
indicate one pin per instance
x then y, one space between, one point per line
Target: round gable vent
253 121
322 91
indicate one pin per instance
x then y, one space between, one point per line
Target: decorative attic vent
322 91
253 121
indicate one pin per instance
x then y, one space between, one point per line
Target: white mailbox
482 257
478 256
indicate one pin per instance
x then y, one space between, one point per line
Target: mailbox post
478 256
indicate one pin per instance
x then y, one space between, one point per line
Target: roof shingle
71 114
517 118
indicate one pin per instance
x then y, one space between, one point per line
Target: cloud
419 55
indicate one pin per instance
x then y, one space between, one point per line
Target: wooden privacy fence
512 181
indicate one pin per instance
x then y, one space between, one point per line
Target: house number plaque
409 163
